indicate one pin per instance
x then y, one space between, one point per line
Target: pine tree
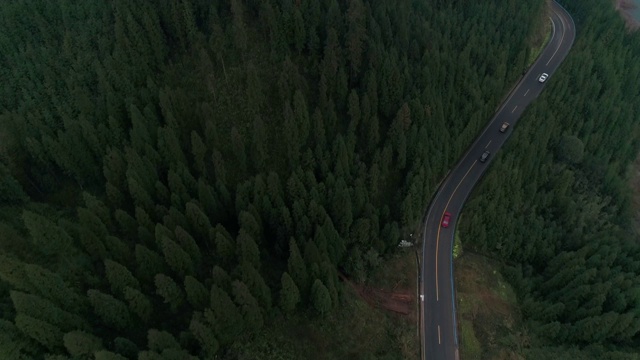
239 26
204 334
256 284
44 333
79 343
250 224
199 151
210 204
139 303
342 210
248 250
259 143
169 291
219 167
239 150
356 35
298 269
289 295
42 309
225 247
46 235
149 263
179 193
302 117
299 30
197 294
127 224
125 347
111 311
11 192
320 297
221 278
224 316
249 307
51 286
119 277
291 134
255 95
188 243
177 258
169 146
198 220
159 341
13 272
92 245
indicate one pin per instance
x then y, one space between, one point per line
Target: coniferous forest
175 175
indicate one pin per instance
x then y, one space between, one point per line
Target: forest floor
625 7
488 314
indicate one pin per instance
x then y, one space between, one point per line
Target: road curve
439 336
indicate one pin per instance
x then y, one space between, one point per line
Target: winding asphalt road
438 314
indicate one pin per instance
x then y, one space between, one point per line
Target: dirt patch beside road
401 301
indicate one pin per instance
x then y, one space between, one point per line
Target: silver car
543 77
485 156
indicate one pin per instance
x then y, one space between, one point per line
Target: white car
543 77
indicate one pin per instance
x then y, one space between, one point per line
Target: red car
445 219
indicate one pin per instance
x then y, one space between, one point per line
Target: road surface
438 315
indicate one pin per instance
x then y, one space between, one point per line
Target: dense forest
176 175
556 202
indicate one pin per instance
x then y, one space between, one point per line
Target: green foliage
289 294
113 312
320 297
44 333
119 277
298 269
204 334
570 149
42 309
80 343
224 316
197 294
139 304
249 307
161 340
169 290
286 141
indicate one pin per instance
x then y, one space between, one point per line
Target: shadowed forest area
177 176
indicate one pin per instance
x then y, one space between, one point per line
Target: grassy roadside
353 331
539 41
488 312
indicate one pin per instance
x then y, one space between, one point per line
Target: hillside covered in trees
176 175
556 202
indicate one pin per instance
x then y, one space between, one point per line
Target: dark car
445 219
485 156
504 127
